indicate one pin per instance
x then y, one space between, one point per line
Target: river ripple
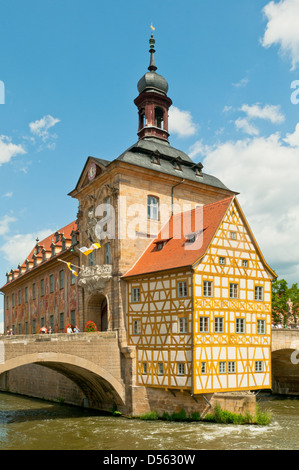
31 424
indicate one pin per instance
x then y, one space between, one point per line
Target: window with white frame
219 325
222 367
182 289
233 291
258 366
203 324
152 207
136 294
136 329
240 325
231 366
221 260
207 288
183 324
144 367
258 293
203 367
233 235
260 327
160 368
181 368
244 263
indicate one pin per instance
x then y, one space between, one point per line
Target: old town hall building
179 274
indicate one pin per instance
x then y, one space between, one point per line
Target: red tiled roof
177 252
46 244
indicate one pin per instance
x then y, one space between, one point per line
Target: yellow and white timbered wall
159 325
232 312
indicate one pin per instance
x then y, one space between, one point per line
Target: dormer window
74 237
34 260
177 165
52 249
63 241
44 254
57 235
198 169
155 159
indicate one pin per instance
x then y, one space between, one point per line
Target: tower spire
152 66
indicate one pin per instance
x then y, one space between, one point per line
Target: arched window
159 117
141 118
152 207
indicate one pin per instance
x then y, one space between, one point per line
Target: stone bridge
91 360
285 361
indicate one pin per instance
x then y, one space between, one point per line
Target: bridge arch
100 387
285 371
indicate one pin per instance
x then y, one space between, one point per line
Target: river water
31 424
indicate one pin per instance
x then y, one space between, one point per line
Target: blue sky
70 71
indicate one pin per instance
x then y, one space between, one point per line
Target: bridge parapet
284 338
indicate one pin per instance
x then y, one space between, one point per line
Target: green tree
281 295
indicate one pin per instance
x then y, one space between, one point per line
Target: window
63 247
204 324
181 368
20 328
13 300
73 317
33 327
19 297
152 208
107 253
244 263
231 367
219 324
233 236
107 203
135 294
203 367
234 291
51 282
160 368
61 279
26 294
34 291
182 289
222 367
61 321
258 293
91 258
159 117
52 322
26 328
258 366
73 279
144 368
7 302
42 287
261 327
221 260
136 330
42 321
183 324
240 325
207 288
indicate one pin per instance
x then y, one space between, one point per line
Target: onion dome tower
153 102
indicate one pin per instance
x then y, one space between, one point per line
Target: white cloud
8 194
242 83
282 28
181 123
8 150
4 224
244 125
40 129
265 172
268 112
16 249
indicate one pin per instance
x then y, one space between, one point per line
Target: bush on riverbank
219 416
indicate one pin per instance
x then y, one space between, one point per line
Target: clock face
92 171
